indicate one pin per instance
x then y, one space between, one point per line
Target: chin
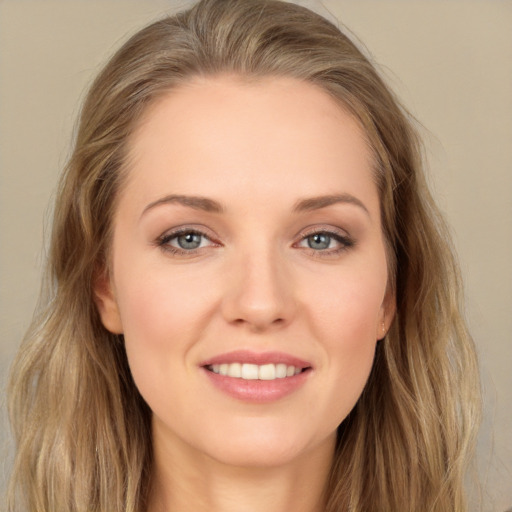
266 447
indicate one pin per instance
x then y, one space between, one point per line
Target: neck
184 481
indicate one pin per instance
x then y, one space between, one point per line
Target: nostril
259 324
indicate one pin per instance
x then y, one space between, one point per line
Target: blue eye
189 241
184 241
326 242
319 241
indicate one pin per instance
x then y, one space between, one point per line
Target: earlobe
387 313
106 302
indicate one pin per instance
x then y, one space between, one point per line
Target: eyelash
164 241
345 242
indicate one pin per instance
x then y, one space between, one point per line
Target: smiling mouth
247 371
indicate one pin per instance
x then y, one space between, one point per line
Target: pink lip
245 356
257 391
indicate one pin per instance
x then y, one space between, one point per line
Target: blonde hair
82 430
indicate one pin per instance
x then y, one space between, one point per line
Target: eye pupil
319 241
189 240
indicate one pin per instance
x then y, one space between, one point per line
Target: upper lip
259 358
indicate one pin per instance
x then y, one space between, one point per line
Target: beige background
450 61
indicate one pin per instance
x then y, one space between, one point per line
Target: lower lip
258 391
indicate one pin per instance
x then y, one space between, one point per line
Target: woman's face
249 272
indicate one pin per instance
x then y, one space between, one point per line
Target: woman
251 299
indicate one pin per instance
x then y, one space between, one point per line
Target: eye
319 241
326 242
184 241
188 241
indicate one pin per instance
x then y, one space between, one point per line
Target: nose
260 292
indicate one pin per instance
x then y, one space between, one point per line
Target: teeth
255 372
234 370
250 371
267 372
281 371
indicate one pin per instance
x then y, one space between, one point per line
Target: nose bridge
260 292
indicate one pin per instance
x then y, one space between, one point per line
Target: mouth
249 371
257 377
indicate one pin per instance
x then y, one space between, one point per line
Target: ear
386 314
105 300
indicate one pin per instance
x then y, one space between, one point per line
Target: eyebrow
316 203
195 202
212 206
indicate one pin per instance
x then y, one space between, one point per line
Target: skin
257 149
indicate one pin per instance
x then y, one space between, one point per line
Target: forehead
289 98
216 134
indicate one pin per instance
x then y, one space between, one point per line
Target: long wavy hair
82 431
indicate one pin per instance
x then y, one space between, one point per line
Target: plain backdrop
449 60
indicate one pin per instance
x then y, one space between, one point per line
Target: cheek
155 303
345 320
162 317
348 307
